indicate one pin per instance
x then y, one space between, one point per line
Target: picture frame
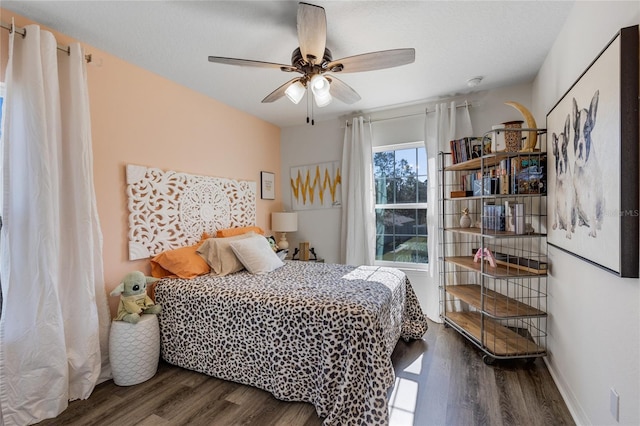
316 186
267 186
592 143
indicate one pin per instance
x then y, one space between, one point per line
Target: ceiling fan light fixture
295 92
321 90
323 99
319 85
314 60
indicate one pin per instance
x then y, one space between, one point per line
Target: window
400 175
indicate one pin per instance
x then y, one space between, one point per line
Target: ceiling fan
313 60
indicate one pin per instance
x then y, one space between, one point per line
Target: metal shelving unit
502 308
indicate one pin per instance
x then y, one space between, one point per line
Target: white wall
594 324
305 144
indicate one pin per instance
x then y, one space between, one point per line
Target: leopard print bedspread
311 332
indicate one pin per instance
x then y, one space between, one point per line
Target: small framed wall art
267 186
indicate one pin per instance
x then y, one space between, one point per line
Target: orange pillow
158 271
183 262
231 232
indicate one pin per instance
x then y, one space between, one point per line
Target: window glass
400 174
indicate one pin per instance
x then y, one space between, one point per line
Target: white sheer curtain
55 318
440 128
358 217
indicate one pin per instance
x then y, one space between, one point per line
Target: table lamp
284 222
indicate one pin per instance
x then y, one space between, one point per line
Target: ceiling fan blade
279 92
250 63
342 91
312 32
373 61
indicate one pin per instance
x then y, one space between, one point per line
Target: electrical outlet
614 404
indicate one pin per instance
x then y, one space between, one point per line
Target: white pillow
256 254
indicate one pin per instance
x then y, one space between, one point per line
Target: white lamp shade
323 100
284 221
319 85
321 90
295 92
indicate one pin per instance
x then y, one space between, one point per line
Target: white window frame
401 265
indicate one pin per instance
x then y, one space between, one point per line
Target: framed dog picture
592 139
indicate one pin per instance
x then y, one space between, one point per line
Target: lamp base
283 244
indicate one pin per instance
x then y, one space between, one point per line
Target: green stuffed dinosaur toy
133 298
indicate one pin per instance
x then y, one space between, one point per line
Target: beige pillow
219 256
256 255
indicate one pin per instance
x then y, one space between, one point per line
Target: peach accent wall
141 118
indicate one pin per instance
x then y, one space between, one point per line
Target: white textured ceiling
503 41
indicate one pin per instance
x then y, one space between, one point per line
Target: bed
312 332
304 331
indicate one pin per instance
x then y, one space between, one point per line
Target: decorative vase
465 220
513 138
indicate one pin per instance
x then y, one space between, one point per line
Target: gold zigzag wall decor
316 186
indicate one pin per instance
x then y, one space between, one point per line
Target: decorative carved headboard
169 210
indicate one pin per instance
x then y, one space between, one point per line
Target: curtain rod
23 33
426 111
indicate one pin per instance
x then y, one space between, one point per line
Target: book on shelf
475 147
465 149
529 174
508 220
462 149
520 262
493 217
486 186
458 194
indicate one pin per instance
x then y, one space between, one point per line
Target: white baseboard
575 409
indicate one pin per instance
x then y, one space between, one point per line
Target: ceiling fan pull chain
308 96
312 111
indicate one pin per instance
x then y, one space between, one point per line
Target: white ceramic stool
134 350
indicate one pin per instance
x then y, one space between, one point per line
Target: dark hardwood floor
441 380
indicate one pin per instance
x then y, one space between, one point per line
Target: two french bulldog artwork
579 193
